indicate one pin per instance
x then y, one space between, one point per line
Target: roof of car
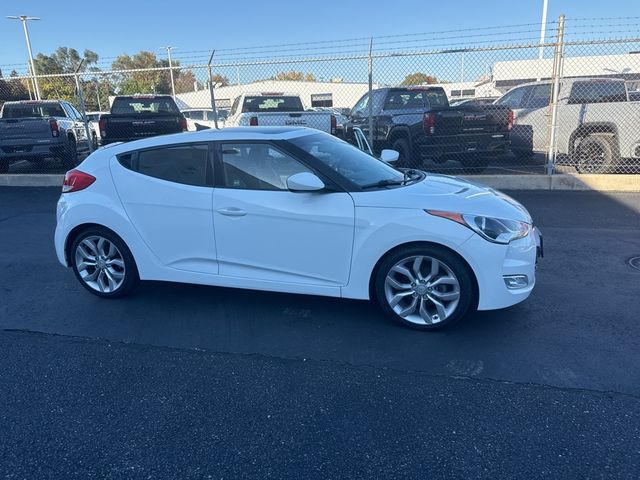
209 135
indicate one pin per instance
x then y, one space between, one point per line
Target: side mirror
389 156
304 182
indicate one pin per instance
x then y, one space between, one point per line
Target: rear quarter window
598 92
185 164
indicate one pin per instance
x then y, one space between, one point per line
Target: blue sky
118 26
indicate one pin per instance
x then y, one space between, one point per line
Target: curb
599 183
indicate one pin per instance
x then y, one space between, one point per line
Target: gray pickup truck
36 130
597 124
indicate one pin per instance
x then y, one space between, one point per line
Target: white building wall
344 95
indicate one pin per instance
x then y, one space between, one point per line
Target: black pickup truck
420 124
141 116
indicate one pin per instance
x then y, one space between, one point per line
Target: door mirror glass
389 156
304 182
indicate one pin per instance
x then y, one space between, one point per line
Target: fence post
370 97
82 107
556 75
211 94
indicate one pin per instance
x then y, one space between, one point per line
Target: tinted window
125 105
266 103
415 98
348 161
362 104
23 110
257 166
540 96
513 98
180 164
196 114
598 92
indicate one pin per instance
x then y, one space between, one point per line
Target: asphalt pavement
180 381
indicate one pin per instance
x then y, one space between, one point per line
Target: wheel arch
472 273
592 128
77 230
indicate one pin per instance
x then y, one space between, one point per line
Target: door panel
284 236
173 219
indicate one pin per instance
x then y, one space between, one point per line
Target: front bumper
492 263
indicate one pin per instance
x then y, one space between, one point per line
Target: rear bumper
17 151
436 147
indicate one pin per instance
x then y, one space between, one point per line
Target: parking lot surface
221 382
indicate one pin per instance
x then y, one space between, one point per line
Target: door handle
231 212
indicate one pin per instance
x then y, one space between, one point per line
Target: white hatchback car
293 210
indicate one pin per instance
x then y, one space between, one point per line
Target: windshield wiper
383 183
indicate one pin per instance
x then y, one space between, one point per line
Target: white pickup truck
597 123
277 109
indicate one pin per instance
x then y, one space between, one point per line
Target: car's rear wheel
4 166
424 287
103 263
596 154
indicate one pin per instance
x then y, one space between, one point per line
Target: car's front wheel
103 263
424 287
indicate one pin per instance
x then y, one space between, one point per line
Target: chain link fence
569 104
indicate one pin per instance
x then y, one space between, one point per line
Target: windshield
126 105
25 110
350 162
265 103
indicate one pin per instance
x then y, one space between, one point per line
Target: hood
451 194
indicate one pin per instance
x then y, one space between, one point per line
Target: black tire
475 165
70 156
130 278
596 154
4 166
407 158
466 286
94 141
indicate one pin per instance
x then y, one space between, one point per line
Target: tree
295 76
418 78
217 78
157 81
63 60
13 89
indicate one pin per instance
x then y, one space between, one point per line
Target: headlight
496 230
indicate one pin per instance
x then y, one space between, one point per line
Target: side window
514 98
257 166
234 107
361 106
69 111
540 95
185 164
75 112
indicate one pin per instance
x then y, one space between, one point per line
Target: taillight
510 119
183 124
429 123
75 180
334 125
253 122
55 130
102 125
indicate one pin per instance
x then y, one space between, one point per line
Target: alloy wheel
100 264
422 290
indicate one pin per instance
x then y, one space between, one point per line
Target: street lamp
173 86
24 19
543 27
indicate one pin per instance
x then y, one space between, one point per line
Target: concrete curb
599 183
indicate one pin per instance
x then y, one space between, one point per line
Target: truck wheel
596 154
406 158
4 166
70 156
475 165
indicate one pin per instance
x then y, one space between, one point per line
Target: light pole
543 27
173 85
24 19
